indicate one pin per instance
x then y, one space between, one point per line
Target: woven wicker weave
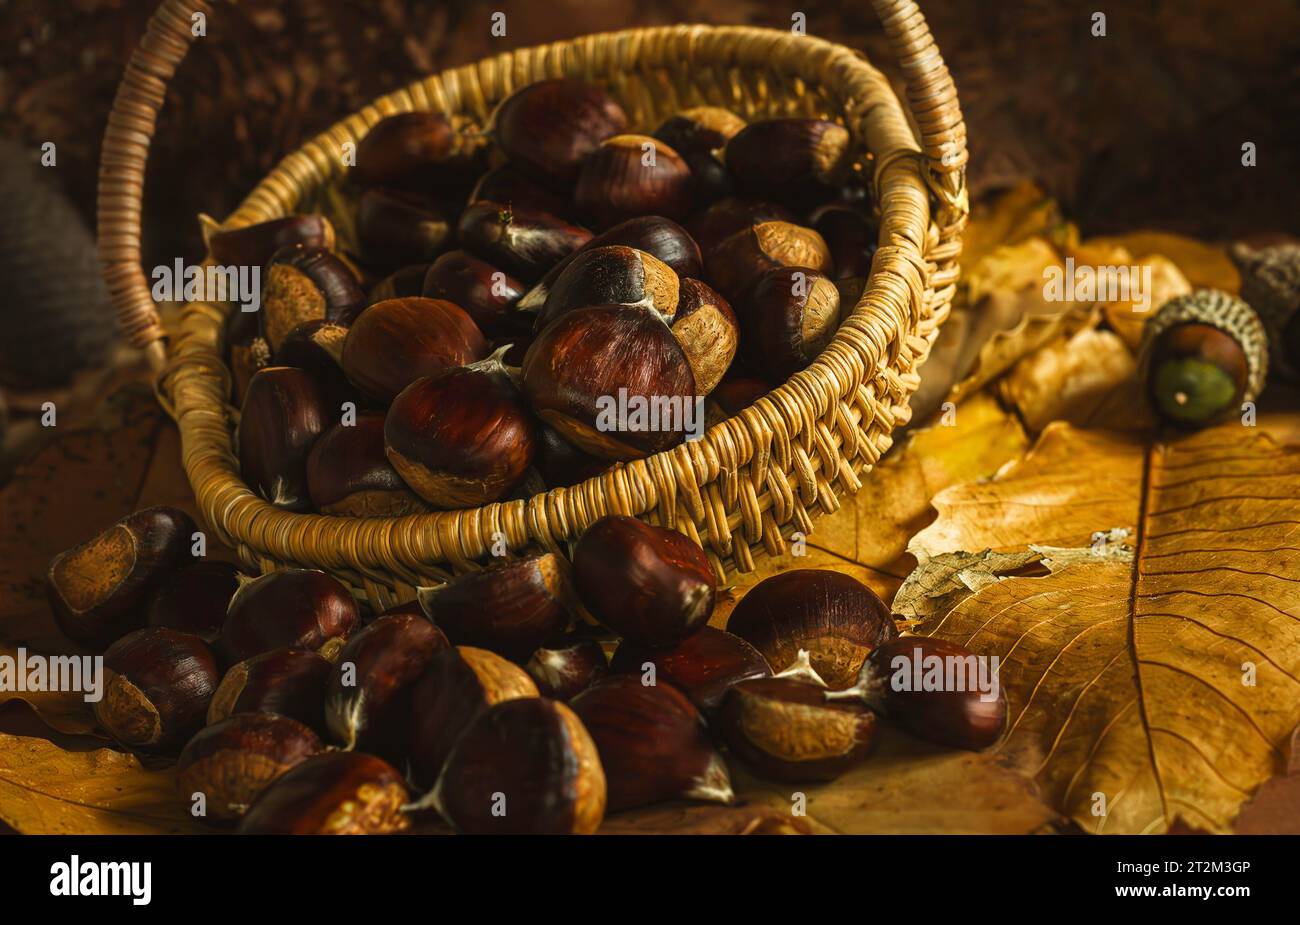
773 467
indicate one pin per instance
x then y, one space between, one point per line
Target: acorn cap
1270 284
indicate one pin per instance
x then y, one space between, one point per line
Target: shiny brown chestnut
304 284
246 351
837 618
510 608
229 763
284 412
699 135
253 245
509 185
549 127
937 690
650 585
457 685
404 150
704 665
487 295
523 767
158 688
98 590
291 607
590 363
333 793
706 328
728 216
402 283
194 599
463 437
736 264
519 238
788 318
560 463
289 681
790 160
652 744
632 175
395 342
613 275
316 348
368 698
349 475
567 666
397 227
852 238
787 730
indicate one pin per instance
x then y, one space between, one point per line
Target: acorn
613 275
549 127
283 414
393 343
463 437
304 284
699 136
791 160
1270 284
518 238
523 767
567 666
735 265
652 744
788 318
510 608
289 681
650 585
633 175
158 688
98 590
787 730
1204 355
402 283
706 328
349 475
487 295
229 763
851 237
509 185
560 463
837 618
195 598
704 665
253 245
728 216
405 150
333 793
397 227
290 607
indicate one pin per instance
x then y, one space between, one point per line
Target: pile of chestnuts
491 700
514 288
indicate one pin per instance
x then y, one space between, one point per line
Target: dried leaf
1128 318
1205 265
1070 380
1275 808
1020 213
63 711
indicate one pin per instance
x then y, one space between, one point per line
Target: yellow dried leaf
1129 318
1070 379
62 711
1204 265
1021 212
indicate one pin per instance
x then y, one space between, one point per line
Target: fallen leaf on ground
64 711
1204 265
1071 379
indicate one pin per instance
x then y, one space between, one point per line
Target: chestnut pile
508 282
490 699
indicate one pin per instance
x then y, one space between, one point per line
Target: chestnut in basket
457 685
568 666
289 681
613 275
333 793
650 585
706 328
463 437
316 348
787 730
699 136
253 245
284 412
395 342
632 175
195 599
510 608
523 767
737 263
158 688
305 284
368 699
789 317
400 284
98 590
487 295
549 127
652 744
560 463
519 238
404 150
728 216
704 665
349 475
233 761
837 618
590 364
397 228
791 160
852 238
508 184
291 607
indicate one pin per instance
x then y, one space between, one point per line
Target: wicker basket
776 465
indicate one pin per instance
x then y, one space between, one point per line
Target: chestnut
400 284
316 347
457 685
305 284
289 681
704 665
394 342
404 150
463 437
699 136
787 730
837 618
523 767
396 228
549 127
487 295
706 328
632 175
508 184
348 473
333 793
284 412
652 744
791 160
851 237
650 585
253 245
232 761
937 690
290 607
613 275
519 238
194 599
560 463
789 317
159 684
510 608
246 351
728 216
368 698
737 263
568 666
590 363
98 590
